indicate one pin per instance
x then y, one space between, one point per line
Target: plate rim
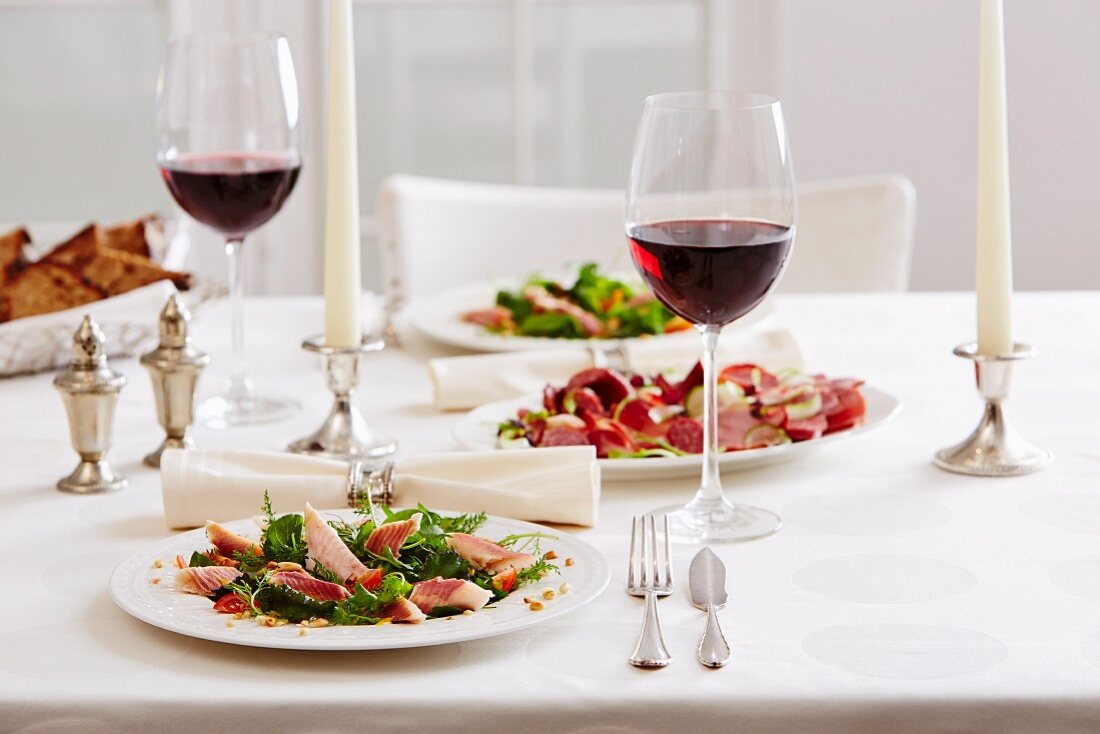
597 579
614 469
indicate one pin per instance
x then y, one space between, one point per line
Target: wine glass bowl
227 149
710 224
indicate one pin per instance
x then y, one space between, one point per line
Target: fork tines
650 565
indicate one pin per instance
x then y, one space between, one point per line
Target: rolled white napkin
467 382
559 485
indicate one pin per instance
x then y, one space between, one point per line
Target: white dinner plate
440 317
477 431
163 605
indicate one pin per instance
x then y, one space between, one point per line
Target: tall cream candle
994 232
342 270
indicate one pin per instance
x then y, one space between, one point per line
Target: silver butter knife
708 592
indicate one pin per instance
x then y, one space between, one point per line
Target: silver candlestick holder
994 449
344 434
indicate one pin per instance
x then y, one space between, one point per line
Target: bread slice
11 253
115 272
133 236
76 251
44 288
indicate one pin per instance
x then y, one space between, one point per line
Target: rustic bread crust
133 236
116 272
47 287
77 250
11 254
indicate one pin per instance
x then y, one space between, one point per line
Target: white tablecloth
897 597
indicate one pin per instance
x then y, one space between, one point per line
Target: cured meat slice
312 587
607 441
807 428
228 543
733 423
441 592
544 301
563 436
403 610
583 401
491 318
205 580
848 410
686 434
326 548
487 555
392 535
609 385
635 414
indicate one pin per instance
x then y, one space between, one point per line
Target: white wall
891 85
869 85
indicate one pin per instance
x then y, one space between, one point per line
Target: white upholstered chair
854 234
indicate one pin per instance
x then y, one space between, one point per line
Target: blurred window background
548 92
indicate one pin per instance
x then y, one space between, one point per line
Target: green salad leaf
613 302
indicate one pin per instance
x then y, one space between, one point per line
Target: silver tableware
651 577
707 579
344 434
994 448
174 367
90 389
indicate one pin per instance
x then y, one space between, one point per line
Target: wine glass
227 147
710 220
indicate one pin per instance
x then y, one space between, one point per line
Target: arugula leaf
530 540
447 564
199 559
249 561
393 585
515 302
557 325
534 572
444 612
645 318
268 512
467 523
283 540
364 607
324 574
292 605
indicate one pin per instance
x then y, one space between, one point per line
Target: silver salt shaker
90 389
174 367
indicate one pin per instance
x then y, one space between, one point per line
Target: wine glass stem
238 387
710 491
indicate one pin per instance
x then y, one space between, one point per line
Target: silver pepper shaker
174 366
90 389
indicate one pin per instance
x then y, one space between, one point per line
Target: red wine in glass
233 193
710 271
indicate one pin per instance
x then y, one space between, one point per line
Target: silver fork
649 577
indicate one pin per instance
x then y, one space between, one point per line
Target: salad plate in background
584 308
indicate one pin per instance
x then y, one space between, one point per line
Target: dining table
895 598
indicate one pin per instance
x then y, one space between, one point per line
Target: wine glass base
726 524
223 412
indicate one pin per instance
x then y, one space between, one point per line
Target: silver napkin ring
374 483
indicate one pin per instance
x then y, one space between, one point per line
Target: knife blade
707 581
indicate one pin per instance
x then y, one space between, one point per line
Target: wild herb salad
595 306
386 566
